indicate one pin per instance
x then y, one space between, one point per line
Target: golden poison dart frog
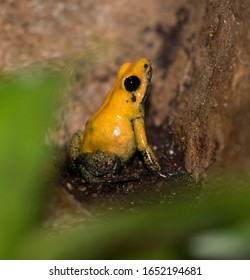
117 129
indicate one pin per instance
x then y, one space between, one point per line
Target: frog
116 130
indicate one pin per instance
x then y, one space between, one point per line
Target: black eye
132 83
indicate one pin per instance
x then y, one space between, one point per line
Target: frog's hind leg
74 151
75 145
99 163
93 166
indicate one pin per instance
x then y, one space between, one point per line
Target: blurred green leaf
228 242
164 232
26 106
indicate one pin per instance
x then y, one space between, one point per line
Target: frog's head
134 81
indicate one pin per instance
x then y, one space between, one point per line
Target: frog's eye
132 83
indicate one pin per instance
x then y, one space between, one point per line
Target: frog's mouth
149 75
146 93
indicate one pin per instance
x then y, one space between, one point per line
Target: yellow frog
117 129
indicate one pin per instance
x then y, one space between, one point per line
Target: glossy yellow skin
116 130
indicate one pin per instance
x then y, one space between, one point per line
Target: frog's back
109 133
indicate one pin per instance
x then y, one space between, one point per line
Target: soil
131 190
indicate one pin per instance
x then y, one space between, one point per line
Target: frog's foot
89 177
99 163
94 166
150 160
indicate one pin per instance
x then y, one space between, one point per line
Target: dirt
133 189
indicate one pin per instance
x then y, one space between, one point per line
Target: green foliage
26 105
216 226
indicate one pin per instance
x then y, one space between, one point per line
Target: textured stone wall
211 117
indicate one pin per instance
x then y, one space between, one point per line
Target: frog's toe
161 175
89 177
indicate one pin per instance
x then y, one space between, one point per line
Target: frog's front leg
142 145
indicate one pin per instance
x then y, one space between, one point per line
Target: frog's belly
115 136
